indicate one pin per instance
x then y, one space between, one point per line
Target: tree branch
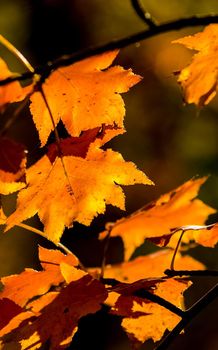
188 317
143 14
66 60
162 302
140 292
200 273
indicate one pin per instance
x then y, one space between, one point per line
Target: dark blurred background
169 141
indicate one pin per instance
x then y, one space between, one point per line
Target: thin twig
16 53
58 245
163 302
150 296
6 43
200 273
64 248
143 14
106 245
176 249
66 60
184 229
33 229
42 234
51 117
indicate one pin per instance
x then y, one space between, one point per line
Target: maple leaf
12 166
199 79
83 95
143 319
153 320
94 181
54 317
156 221
12 92
30 283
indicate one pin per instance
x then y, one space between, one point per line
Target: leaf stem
106 245
184 229
176 249
16 53
6 43
41 233
143 14
51 117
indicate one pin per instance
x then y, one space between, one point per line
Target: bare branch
188 317
66 60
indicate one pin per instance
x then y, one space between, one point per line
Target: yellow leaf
157 319
151 265
11 92
31 283
174 209
74 189
83 96
199 79
54 317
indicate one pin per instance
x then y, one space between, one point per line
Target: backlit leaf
54 322
199 79
84 95
156 319
84 185
150 266
11 92
30 283
156 221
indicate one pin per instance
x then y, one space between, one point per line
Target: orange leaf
85 185
144 319
83 96
155 222
156 319
56 322
12 92
12 166
199 79
30 283
150 266
207 237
